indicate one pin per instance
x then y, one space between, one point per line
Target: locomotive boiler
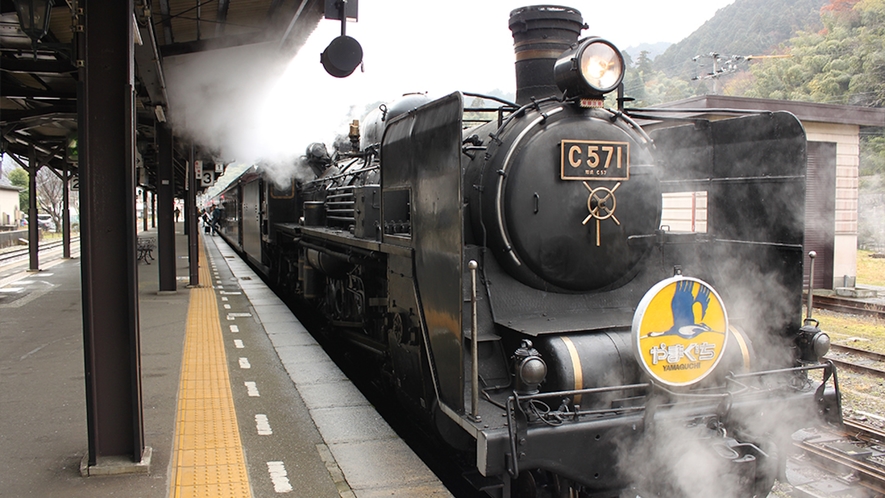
514 281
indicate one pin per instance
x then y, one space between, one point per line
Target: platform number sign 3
207 179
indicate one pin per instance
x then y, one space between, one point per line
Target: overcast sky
414 45
439 47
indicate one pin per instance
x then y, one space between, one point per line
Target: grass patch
862 332
870 270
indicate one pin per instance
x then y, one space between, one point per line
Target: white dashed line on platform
262 425
279 477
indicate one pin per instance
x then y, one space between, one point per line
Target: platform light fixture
33 17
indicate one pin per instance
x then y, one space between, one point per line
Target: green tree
643 64
842 64
19 178
872 152
649 87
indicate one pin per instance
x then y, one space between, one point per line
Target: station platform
239 400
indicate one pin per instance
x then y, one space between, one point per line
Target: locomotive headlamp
529 368
813 343
592 67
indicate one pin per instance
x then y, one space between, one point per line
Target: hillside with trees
746 27
843 63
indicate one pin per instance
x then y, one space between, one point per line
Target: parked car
45 222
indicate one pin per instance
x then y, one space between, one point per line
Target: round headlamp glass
601 66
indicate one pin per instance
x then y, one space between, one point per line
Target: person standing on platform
206 223
177 212
215 218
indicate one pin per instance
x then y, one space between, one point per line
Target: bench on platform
145 250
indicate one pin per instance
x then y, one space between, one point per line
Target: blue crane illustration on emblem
682 306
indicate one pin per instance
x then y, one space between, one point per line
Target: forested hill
746 27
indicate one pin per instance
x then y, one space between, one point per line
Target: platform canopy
38 79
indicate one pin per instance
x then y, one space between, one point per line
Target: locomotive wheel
397 328
542 484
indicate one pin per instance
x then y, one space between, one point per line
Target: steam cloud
760 294
236 103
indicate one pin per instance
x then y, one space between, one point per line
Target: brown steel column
66 213
144 209
33 222
106 125
153 209
165 201
190 223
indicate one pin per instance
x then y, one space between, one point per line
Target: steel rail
870 476
860 369
17 253
864 432
871 355
853 306
855 367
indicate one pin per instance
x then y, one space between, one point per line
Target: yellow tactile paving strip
208 458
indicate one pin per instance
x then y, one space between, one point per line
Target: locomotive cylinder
540 34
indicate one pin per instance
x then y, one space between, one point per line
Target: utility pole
729 66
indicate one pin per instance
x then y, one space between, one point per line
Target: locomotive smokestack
540 34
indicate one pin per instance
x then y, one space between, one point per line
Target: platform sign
207 178
75 182
198 169
679 331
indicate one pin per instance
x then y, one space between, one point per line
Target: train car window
285 192
685 211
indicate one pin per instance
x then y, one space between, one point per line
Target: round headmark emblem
679 331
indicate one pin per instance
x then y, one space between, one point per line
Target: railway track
847 461
850 458
15 254
858 360
852 306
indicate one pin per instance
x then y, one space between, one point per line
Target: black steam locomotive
514 279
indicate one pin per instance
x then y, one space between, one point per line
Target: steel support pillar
144 209
153 209
106 124
165 205
33 221
190 221
66 212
